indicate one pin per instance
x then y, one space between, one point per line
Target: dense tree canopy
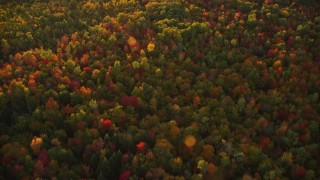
151 89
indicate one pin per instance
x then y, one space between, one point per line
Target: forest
160 89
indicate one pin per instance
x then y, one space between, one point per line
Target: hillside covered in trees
160 89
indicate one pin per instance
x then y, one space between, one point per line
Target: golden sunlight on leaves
190 141
36 144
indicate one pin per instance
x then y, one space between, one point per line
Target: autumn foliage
170 89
